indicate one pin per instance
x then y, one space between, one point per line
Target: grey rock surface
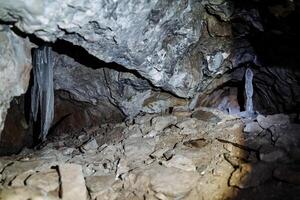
152 37
165 42
122 89
15 66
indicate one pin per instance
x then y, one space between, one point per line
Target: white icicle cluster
42 93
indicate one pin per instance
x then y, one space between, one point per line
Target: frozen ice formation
249 90
42 93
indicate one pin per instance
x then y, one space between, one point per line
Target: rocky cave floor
204 154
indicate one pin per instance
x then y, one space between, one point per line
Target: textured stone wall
177 45
167 49
15 66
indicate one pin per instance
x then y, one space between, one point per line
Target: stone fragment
72 182
273 120
250 175
19 167
47 180
180 162
196 143
90 146
25 193
188 126
253 128
99 185
151 134
206 116
159 153
138 149
159 123
122 168
161 196
67 151
172 182
214 61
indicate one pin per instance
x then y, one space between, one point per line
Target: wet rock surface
188 158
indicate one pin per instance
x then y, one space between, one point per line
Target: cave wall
161 54
166 42
15 66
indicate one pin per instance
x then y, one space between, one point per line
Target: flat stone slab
72 182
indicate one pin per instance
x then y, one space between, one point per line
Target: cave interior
196 99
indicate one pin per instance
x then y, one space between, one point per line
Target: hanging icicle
249 90
42 93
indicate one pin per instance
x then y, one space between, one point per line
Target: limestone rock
100 185
108 86
47 180
188 126
253 128
90 146
172 182
138 149
180 162
206 116
19 167
21 193
134 34
273 120
15 66
72 182
161 122
163 42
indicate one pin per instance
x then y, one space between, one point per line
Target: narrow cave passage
151 100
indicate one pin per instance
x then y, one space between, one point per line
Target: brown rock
217 28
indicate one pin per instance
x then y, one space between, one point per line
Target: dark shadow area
277 78
17 132
276 90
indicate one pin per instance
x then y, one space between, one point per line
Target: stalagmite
42 93
249 90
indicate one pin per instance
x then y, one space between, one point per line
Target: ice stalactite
42 93
249 90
